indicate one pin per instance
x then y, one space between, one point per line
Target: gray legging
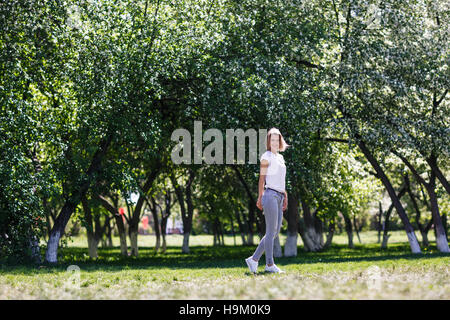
272 203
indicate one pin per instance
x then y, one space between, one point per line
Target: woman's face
274 142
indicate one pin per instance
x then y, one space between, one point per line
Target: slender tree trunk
414 244
425 241
250 223
154 211
216 232
241 226
290 247
187 220
356 229
380 214
277 252
186 215
444 223
221 232
109 242
136 213
164 217
432 161
92 241
119 222
422 230
386 234
441 237
349 230
232 229
122 235
331 229
163 233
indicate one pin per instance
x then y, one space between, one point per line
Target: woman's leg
271 217
279 217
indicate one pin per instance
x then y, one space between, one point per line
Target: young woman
272 200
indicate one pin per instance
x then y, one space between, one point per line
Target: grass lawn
208 272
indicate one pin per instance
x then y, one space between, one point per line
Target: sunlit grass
209 272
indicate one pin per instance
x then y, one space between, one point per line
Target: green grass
209 272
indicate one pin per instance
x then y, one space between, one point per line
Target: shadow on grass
202 257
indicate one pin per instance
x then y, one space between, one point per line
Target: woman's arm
285 201
262 179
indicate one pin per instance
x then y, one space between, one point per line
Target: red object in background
145 222
122 213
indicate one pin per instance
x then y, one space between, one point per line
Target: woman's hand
258 203
285 203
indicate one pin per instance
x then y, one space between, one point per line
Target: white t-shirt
276 172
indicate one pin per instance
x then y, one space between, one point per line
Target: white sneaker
252 264
273 268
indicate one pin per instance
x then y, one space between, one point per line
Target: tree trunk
250 223
330 234
35 249
386 227
109 242
444 223
92 246
163 233
164 217
432 161
349 230
133 234
422 229
414 244
136 213
380 214
384 243
241 226
122 235
185 247
277 247
119 222
356 229
310 229
441 238
232 229
221 233
51 255
91 234
186 215
386 236
290 247
425 241
215 229
154 211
